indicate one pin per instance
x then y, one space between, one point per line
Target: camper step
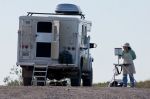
40 81
40 66
40 76
40 71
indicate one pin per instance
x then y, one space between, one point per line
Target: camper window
45 27
43 49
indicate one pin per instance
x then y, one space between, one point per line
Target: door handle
36 35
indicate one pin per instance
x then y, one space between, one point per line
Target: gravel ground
55 92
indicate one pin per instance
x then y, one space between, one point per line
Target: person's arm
133 54
122 56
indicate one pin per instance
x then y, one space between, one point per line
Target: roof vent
69 9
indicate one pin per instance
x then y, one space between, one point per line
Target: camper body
59 42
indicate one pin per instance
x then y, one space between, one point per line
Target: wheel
27 75
76 81
27 81
87 80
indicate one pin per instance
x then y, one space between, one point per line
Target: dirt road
53 92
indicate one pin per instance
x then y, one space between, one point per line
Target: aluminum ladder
39 75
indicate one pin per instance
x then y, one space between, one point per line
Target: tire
76 81
27 75
27 81
88 80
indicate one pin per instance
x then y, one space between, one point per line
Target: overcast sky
114 22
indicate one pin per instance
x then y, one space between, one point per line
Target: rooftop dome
68 9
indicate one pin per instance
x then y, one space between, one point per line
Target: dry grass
55 92
143 84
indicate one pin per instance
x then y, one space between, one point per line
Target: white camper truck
55 46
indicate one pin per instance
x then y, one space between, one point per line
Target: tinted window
43 50
44 27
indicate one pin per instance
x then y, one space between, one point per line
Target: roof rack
31 13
